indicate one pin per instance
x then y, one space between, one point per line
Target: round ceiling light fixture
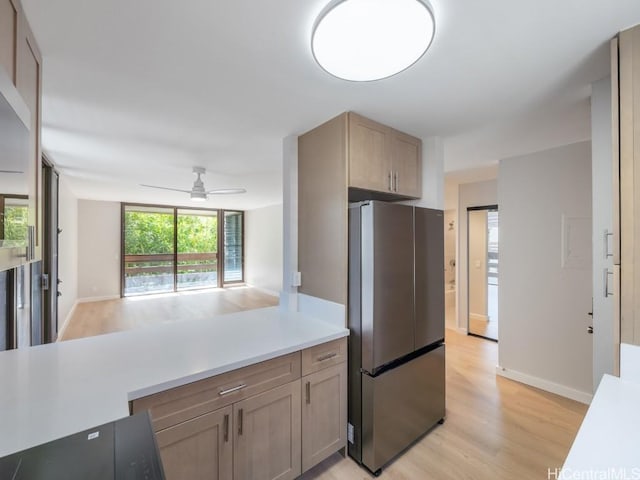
364 40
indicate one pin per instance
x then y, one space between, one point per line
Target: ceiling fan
198 192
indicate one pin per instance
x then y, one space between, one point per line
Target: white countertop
609 437
54 390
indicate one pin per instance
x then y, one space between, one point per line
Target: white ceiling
141 91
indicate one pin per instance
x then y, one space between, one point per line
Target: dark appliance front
122 450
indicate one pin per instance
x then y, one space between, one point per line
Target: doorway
483 267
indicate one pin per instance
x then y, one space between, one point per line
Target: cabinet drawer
324 355
180 404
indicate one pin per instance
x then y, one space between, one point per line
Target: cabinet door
200 448
29 84
369 154
629 80
267 435
407 164
8 26
324 414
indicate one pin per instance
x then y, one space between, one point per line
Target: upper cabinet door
369 155
29 84
8 26
406 154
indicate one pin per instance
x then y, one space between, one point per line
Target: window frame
221 252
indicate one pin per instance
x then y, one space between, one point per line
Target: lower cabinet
201 448
267 435
266 421
324 414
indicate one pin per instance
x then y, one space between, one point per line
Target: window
167 249
233 246
148 250
197 249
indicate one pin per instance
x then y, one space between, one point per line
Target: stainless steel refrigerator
396 318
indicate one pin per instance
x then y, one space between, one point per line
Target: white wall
545 270
432 174
469 195
263 248
604 351
67 251
450 237
98 250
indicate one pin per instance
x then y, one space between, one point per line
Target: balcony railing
154 272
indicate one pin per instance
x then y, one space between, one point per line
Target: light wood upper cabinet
382 159
8 34
29 83
348 158
199 449
21 79
267 435
406 163
369 154
324 414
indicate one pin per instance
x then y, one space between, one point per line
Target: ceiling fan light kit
365 40
198 193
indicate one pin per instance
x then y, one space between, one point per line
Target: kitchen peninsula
55 390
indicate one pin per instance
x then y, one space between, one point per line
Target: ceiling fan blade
166 188
226 191
10 171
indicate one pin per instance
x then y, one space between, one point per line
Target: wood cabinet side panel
636 185
322 211
199 448
627 229
324 414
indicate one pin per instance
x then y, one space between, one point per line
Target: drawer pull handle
231 390
327 356
240 422
226 428
308 387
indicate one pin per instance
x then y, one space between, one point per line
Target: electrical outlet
296 281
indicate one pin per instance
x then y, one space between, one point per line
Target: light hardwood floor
96 318
495 428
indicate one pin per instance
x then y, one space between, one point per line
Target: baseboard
266 291
478 317
562 390
97 299
62 329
